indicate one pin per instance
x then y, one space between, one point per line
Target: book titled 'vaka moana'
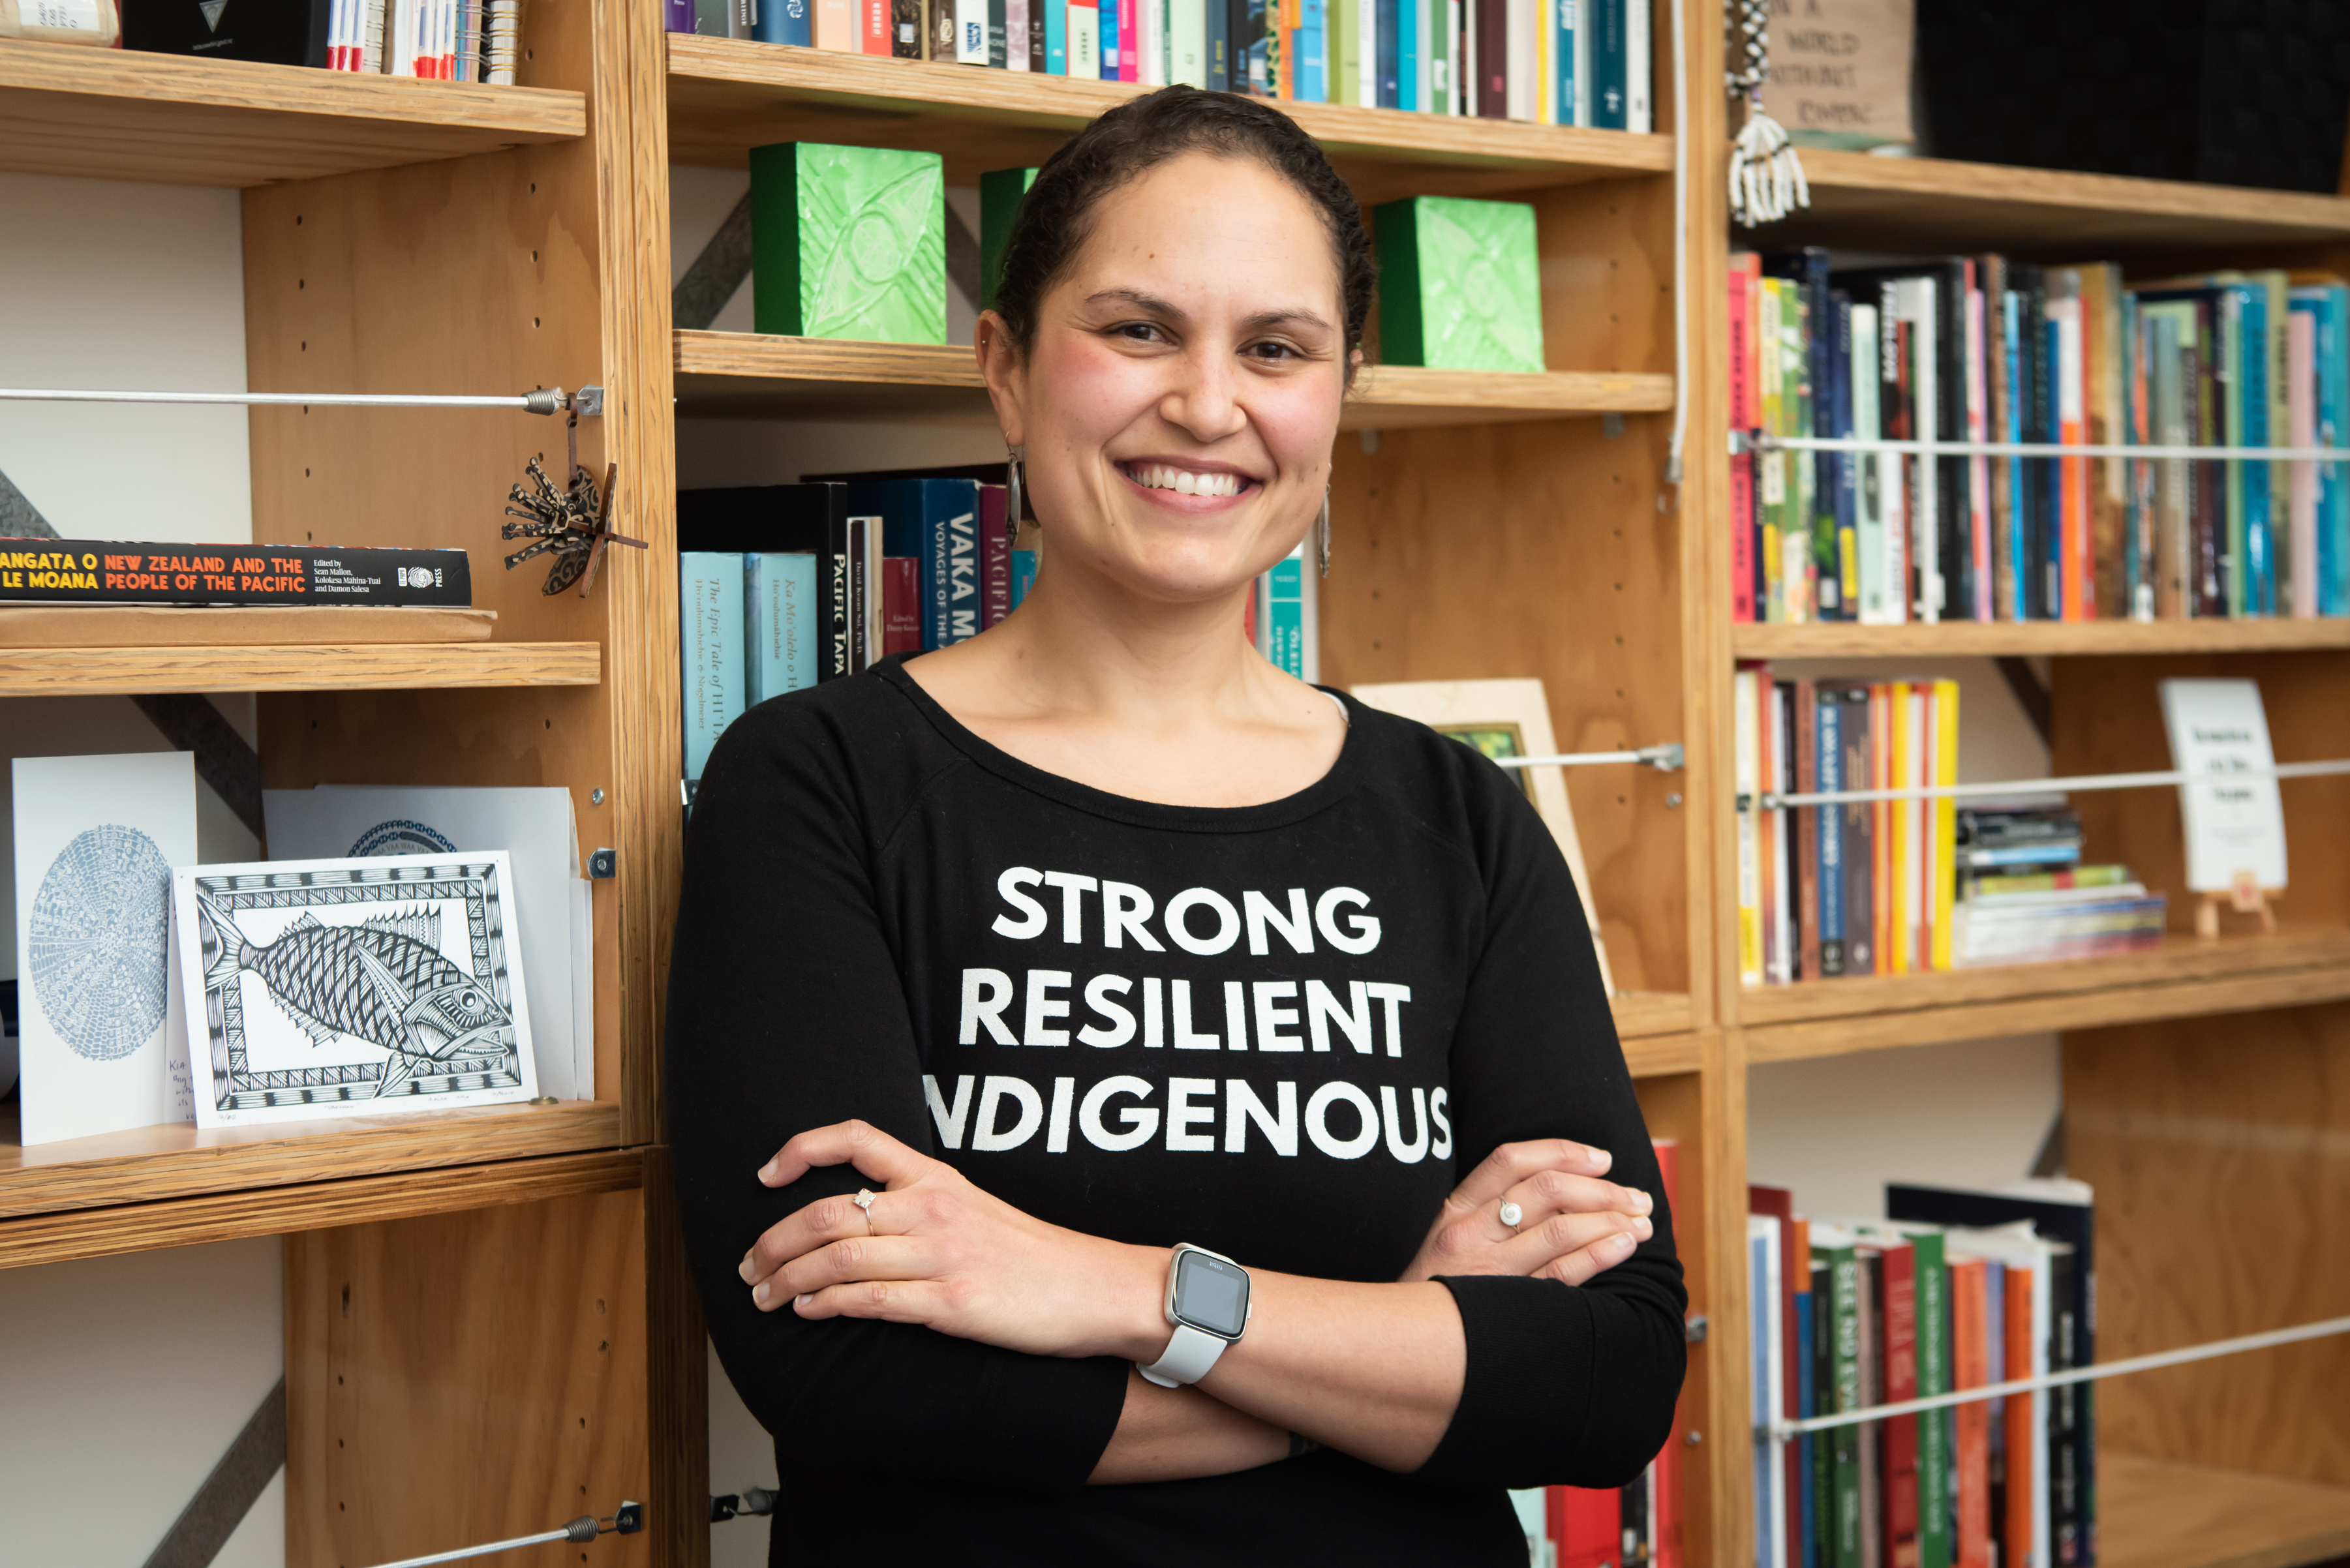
101 571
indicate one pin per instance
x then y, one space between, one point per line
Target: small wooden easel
2248 897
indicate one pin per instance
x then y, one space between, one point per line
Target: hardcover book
103 571
848 241
1462 287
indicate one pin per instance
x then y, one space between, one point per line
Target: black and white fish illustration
384 981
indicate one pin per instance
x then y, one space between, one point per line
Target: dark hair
1054 216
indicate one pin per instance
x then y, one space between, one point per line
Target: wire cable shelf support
1756 441
586 400
2011 787
1667 758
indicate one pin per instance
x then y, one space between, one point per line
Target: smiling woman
1399 1243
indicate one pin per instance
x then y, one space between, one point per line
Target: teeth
1183 482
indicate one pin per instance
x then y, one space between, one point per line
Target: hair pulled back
1055 215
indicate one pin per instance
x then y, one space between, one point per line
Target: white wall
124 1381
740 1455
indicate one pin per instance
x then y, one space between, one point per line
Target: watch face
1211 1294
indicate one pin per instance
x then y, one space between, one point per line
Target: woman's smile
1189 486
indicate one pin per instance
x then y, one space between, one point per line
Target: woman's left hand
937 1251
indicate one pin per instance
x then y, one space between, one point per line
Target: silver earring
1014 486
1322 534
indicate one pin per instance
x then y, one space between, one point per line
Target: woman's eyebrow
1296 315
1150 303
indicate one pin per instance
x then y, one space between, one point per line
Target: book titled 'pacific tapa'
103 571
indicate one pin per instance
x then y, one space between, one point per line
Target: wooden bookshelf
179 1159
1963 638
361 667
1922 205
117 114
2183 976
744 375
728 96
2161 1513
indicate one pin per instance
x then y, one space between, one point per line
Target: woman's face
1179 401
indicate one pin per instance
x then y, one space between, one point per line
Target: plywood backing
2153 1513
2219 1151
2109 720
467 1377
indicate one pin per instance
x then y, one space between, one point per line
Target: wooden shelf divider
97 671
728 96
2183 977
1960 638
120 114
743 374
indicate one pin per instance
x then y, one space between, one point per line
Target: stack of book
2026 897
1957 1290
1583 65
1980 349
1861 887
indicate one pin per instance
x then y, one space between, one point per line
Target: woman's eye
1139 332
1275 351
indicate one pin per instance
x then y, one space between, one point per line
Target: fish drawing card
96 839
326 988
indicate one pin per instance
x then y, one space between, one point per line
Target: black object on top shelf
2225 92
273 32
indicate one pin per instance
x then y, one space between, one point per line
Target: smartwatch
1207 1303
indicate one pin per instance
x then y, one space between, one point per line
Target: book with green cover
1936 1542
1460 284
1000 191
848 241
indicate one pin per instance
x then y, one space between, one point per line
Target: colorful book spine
1742 276
779 623
1828 768
711 649
109 571
1023 574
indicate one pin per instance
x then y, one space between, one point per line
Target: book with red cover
1745 269
994 557
1970 1368
2016 1529
901 611
1900 1363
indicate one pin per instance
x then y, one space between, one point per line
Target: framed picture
324 988
1502 719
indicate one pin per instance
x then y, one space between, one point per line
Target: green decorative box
848 241
1460 284
999 204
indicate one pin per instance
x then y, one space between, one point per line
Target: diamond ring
1511 1214
864 1199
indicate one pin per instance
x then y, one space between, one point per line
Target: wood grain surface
272 626
726 97
1953 639
346 667
742 374
1640 1013
179 1159
1901 205
120 114
2156 1513
2219 1151
467 1377
281 1211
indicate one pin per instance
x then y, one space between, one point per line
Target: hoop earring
1015 487
1322 534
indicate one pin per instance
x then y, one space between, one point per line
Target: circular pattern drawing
97 947
400 836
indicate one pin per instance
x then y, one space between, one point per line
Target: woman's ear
1002 366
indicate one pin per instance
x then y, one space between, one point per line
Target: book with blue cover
936 522
779 622
710 647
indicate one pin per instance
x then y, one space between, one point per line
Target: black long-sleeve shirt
1280 1032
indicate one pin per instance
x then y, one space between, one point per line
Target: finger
885 1300
1577 1268
1514 1162
826 1220
872 1151
847 1262
1561 1234
1550 1192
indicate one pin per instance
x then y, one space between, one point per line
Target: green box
999 204
848 241
1460 284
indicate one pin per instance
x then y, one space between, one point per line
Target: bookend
2246 897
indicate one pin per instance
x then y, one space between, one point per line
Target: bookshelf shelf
118 114
314 667
2182 978
178 1161
742 374
728 96
1927 204
1970 637
2159 1513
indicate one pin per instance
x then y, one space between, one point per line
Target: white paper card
322 988
96 840
2233 823
532 825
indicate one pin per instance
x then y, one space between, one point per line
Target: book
769 518
1461 285
711 654
781 620
295 34
848 241
106 571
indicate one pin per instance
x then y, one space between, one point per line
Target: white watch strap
1189 1356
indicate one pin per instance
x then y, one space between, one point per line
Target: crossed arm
1373 1370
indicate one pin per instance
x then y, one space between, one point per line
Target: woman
1049 951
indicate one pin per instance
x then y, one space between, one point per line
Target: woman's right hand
1571 1223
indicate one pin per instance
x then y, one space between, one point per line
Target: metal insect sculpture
573 524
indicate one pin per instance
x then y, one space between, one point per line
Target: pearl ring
1511 1214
